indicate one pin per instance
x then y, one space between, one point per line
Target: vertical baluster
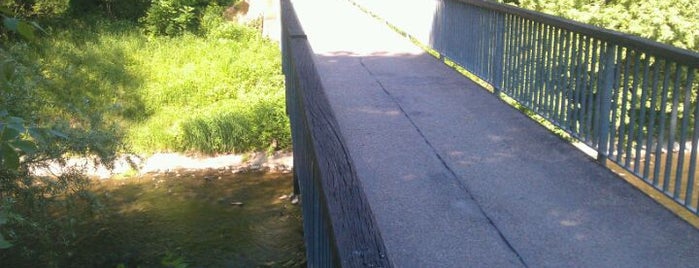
582 90
632 113
492 46
520 35
483 50
642 114
606 75
498 69
693 156
476 65
589 93
673 128
571 85
519 58
517 42
533 58
683 133
529 57
486 33
445 38
507 52
541 69
553 71
652 126
615 104
559 78
575 94
515 51
624 106
546 72
489 56
473 53
661 127
536 67
464 35
512 66
601 55
562 78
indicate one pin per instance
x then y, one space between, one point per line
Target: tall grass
95 86
219 91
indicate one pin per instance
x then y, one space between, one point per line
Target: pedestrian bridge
402 161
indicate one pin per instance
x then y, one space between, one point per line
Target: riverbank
177 217
135 165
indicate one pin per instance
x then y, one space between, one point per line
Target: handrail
339 227
633 100
683 56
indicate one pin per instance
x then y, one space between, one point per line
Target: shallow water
211 218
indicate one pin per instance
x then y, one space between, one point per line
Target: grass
105 86
221 91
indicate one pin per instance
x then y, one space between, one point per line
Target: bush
37 8
175 17
672 22
83 92
40 217
116 9
170 17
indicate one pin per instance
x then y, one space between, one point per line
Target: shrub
672 22
175 17
36 8
125 9
84 91
170 17
41 216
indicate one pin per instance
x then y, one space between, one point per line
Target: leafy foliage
166 17
175 17
11 24
100 87
673 22
29 136
36 8
130 10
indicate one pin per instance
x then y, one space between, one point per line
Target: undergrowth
213 92
91 84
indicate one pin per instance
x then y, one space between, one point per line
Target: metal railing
631 99
339 227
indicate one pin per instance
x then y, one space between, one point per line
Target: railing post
499 56
605 91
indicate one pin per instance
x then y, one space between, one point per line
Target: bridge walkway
457 178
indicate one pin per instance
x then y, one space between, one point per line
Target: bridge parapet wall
339 227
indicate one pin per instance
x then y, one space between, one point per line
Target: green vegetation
674 22
101 77
220 92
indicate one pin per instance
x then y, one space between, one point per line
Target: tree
28 203
672 22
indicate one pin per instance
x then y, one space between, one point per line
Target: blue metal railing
339 228
631 99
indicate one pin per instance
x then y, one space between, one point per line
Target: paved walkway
457 178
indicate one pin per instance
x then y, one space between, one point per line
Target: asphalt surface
457 178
